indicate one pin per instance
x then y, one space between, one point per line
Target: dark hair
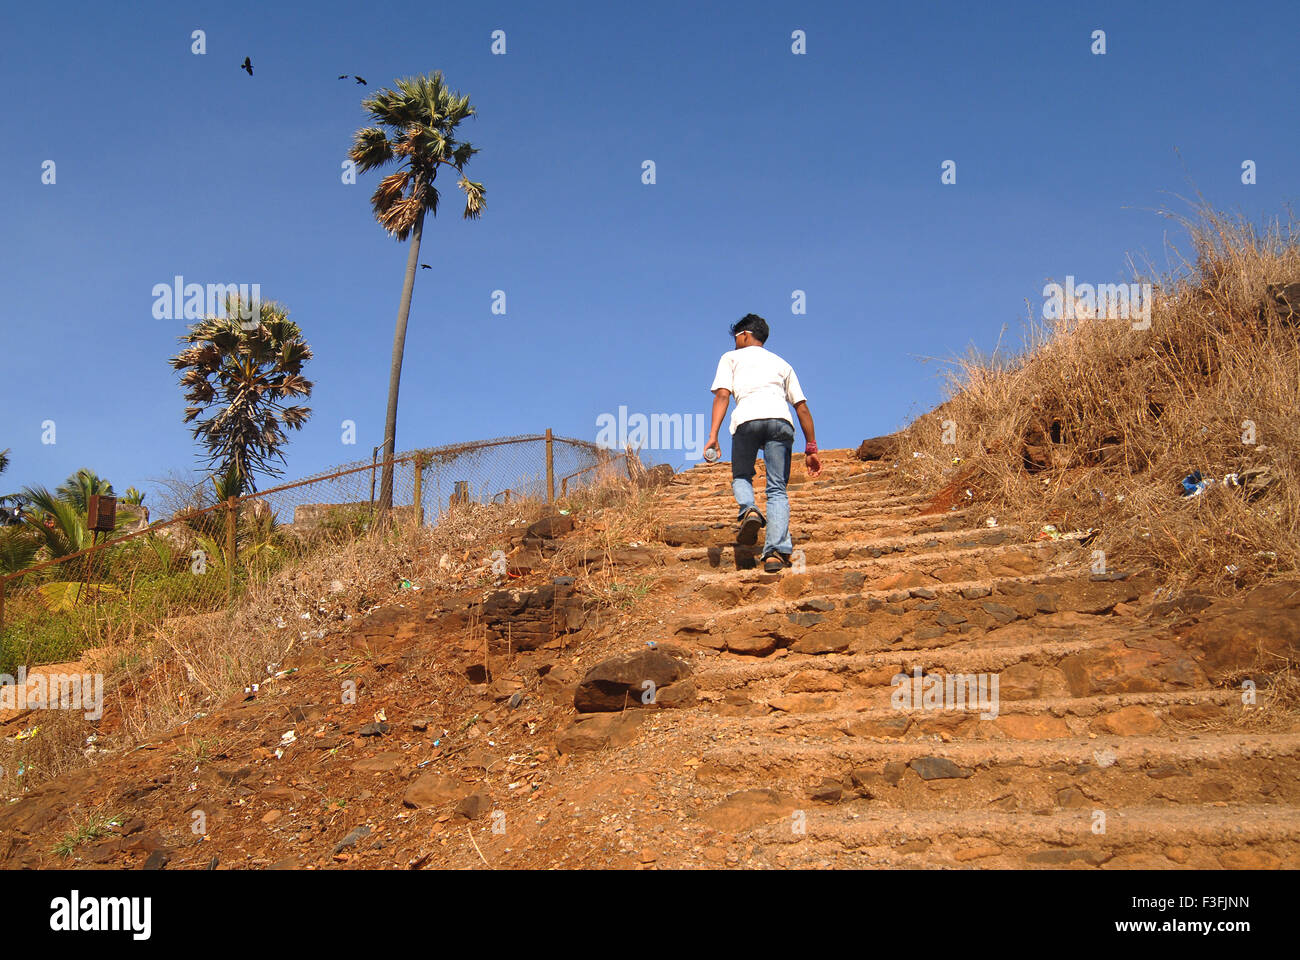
754 324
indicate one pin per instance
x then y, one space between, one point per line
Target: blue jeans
775 438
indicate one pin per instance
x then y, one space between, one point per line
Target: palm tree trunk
395 373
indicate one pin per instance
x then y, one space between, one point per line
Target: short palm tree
80 486
415 126
7 498
57 521
238 381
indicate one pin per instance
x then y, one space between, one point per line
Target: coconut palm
17 549
6 499
237 379
80 486
58 523
416 129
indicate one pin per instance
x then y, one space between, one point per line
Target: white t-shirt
761 382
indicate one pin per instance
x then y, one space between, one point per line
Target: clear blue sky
775 172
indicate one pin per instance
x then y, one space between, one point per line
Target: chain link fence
200 560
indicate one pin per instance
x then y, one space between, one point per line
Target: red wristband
809 447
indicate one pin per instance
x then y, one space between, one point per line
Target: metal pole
550 467
418 498
232 508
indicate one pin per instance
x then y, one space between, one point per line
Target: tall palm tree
416 128
239 379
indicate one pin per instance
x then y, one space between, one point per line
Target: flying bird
425 266
247 65
360 80
343 76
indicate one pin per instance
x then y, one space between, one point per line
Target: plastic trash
991 522
1194 485
406 585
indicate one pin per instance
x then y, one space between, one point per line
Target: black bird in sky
425 266
247 65
360 80
343 76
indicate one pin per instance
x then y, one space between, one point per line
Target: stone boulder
877 448
631 679
599 731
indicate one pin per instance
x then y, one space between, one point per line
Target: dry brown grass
191 663
1160 403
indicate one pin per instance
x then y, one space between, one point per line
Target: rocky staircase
1108 745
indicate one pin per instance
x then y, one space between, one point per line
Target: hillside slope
1120 737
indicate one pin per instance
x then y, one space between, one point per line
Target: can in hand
711 454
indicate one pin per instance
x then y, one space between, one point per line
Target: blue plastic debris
1193 485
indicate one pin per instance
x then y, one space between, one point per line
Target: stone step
1236 836
878 669
983 761
854 712
933 562
846 549
689 511
747 606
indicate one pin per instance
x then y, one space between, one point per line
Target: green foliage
58 524
80 486
96 826
18 548
416 127
33 636
238 382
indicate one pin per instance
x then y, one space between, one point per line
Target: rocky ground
442 730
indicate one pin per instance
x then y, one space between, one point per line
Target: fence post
232 513
418 497
3 583
550 467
